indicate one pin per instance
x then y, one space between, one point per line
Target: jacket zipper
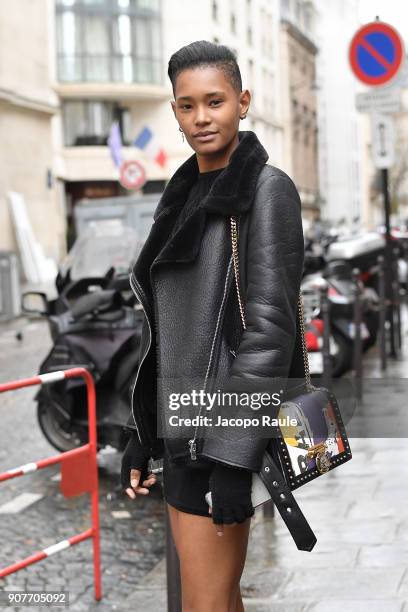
134 289
192 442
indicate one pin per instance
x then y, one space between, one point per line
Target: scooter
341 298
95 322
102 334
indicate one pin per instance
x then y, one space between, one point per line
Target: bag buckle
322 456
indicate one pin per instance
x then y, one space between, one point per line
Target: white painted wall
27 105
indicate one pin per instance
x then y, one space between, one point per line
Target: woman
192 330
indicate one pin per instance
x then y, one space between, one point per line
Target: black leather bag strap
289 510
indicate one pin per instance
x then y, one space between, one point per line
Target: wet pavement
358 513
132 533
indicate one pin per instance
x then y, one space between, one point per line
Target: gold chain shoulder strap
234 240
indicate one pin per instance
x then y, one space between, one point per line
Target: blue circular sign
376 53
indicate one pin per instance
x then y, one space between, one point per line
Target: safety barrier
79 474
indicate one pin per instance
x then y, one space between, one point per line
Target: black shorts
185 485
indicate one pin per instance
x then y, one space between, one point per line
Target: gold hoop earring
182 133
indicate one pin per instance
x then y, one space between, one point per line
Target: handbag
316 445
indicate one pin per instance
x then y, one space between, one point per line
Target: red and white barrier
79 474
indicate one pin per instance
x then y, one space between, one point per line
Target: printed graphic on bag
316 433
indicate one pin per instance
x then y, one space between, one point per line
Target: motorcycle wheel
342 361
51 419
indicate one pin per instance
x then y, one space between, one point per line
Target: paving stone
376 444
379 509
403 586
363 605
343 584
267 551
386 491
395 456
369 531
155 579
148 601
356 511
390 555
261 583
257 605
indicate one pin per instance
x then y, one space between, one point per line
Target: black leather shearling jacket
185 284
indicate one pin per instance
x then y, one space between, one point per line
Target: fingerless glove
231 494
133 458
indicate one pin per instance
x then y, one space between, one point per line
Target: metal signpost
376 56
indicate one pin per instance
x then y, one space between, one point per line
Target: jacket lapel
231 191
231 194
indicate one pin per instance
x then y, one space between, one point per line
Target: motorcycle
95 322
340 293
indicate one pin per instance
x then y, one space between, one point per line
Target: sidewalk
358 513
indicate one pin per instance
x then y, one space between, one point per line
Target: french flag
150 146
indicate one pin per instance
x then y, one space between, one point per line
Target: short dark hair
205 53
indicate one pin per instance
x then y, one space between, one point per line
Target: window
88 123
233 23
308 19
270 36
272 93
249 22
298 13
285 7
251 74
109 40
296 111
249 35
262 18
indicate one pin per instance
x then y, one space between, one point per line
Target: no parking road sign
376 53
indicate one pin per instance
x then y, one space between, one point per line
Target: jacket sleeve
275 253
130 424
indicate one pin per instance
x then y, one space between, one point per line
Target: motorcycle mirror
34 302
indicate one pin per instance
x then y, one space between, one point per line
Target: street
259 151
357 512
35 514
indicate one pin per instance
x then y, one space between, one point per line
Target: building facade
111 64
299 100
88 63
28 107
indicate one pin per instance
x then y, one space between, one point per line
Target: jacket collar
231 194
232 189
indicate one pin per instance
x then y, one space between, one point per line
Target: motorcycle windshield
103 245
